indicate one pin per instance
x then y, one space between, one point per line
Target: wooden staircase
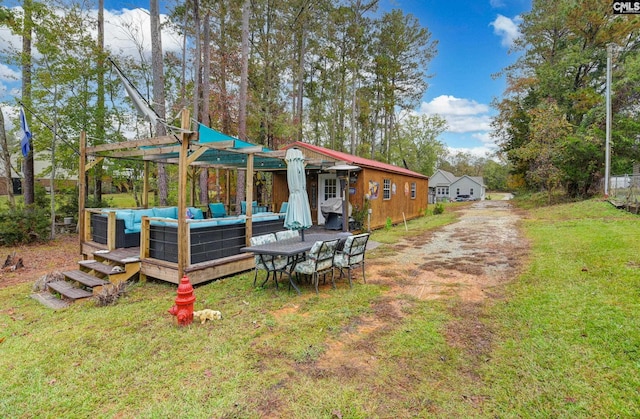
106 267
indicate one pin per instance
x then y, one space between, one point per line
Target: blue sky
473 37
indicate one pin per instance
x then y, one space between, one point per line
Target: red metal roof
355 160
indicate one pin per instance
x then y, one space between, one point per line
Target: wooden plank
166 139
93 163
67 290
183 250
249 200
146 152
94 265
221 270
83 223
85 279
120 256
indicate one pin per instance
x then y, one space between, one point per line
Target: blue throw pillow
217 210
196 213
243 206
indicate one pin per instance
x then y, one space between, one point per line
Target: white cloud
8 74
496 4
127 30
507 29
483 151
462 115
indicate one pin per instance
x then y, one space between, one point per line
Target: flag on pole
141 105
25 142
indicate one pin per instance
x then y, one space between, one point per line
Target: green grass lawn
564 342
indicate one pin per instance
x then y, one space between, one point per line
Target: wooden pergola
185 149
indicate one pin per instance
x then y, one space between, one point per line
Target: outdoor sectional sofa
209 238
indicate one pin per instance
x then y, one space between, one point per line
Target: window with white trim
330 188
386 189
413 190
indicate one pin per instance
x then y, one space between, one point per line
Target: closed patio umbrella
298 216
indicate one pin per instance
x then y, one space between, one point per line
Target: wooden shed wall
399 203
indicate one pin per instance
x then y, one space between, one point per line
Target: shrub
109 294
438 208
388 224
24 225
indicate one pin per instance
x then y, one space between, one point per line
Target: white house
444 185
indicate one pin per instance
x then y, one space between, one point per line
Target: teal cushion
127 216
202 224
196 213
243 206
138 214
217 210
284 206
167 212
230 221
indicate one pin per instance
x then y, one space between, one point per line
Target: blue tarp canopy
235 153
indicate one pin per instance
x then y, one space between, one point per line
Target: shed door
328 188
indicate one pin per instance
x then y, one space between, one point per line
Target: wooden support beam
167 139
219 145
147 152
111 230
183 250
249 200
82 178
90 165
194 156
145 185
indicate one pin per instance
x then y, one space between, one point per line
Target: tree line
342 75
551 119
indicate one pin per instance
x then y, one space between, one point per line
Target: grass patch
562 342
569 345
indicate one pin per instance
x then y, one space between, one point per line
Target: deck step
69 291
98 266
84 278
121 256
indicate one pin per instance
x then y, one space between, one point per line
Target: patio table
291 248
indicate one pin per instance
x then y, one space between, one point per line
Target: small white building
444 185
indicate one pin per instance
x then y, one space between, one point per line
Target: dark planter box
207 243
99 232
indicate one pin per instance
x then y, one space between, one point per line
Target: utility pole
607 156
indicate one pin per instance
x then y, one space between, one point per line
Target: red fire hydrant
183 309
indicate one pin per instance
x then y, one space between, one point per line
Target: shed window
386 189
330 188
413 190
471 192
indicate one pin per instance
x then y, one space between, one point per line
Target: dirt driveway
466 259
465 262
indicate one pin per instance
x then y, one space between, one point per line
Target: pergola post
82 191
249 200
183 251
145 185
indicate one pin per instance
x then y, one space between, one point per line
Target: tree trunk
244 73
100 120
158 91
206 88
244 78
28 187
6 159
